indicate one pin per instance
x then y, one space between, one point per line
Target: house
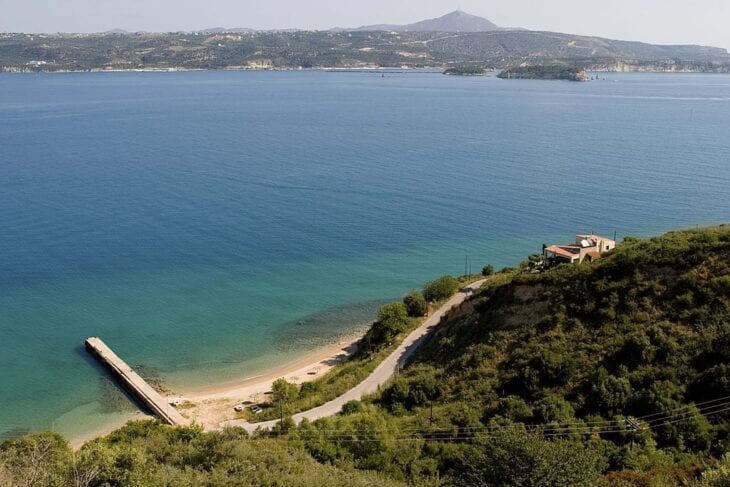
586 248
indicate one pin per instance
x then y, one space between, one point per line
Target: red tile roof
569 251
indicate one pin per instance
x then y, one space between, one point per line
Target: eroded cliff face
669 66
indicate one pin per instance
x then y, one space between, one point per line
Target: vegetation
292 50
466 71
441 288
549 72
416 304
606 373
150 454
488 270
395 321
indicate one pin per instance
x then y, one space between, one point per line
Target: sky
704 22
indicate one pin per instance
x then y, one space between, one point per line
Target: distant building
586 248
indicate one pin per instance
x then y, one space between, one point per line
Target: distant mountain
221 30
498 49
456 21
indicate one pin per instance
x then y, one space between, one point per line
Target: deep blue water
192 219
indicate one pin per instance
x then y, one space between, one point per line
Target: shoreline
212 405
326 69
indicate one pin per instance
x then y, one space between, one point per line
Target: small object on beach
175 402
256 409
239 407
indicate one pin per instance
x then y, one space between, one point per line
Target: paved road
380 375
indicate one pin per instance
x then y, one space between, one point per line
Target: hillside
284 50
607 373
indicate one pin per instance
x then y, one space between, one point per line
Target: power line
609 427
589 426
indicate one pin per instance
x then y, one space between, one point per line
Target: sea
211 225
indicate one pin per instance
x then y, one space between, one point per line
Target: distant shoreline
384 70
380 70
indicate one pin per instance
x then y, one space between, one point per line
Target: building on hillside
586 248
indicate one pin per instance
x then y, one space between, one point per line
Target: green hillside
615 372
301 49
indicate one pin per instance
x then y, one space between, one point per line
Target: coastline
212 405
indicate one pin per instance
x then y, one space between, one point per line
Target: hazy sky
661 21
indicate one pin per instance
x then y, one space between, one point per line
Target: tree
441 288
416 304
488 270
38 459
392 320
284 392
393 314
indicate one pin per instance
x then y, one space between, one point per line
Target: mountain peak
456 21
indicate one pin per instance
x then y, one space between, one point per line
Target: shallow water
192 220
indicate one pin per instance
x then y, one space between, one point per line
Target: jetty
134 383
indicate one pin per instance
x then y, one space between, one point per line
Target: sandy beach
212 406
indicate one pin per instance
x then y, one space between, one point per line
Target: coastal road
382 373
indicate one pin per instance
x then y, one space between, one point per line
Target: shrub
441 288
488 270
393 315
415 304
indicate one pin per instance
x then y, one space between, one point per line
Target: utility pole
466 263
281 416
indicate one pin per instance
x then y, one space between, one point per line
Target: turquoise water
192 220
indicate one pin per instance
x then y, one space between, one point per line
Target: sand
212 406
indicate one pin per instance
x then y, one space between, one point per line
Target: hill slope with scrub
615 372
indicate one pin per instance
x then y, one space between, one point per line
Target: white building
586 248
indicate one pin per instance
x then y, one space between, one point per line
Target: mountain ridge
240 48
456 21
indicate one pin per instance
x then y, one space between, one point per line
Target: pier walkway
134 383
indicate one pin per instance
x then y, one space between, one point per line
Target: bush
351 407
441 288
393 315
488 270
415 304
392 320
514 457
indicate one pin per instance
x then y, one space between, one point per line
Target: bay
194 219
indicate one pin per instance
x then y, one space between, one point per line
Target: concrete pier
136 384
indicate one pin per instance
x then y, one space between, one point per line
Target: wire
459 434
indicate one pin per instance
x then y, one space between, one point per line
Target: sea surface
208 225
